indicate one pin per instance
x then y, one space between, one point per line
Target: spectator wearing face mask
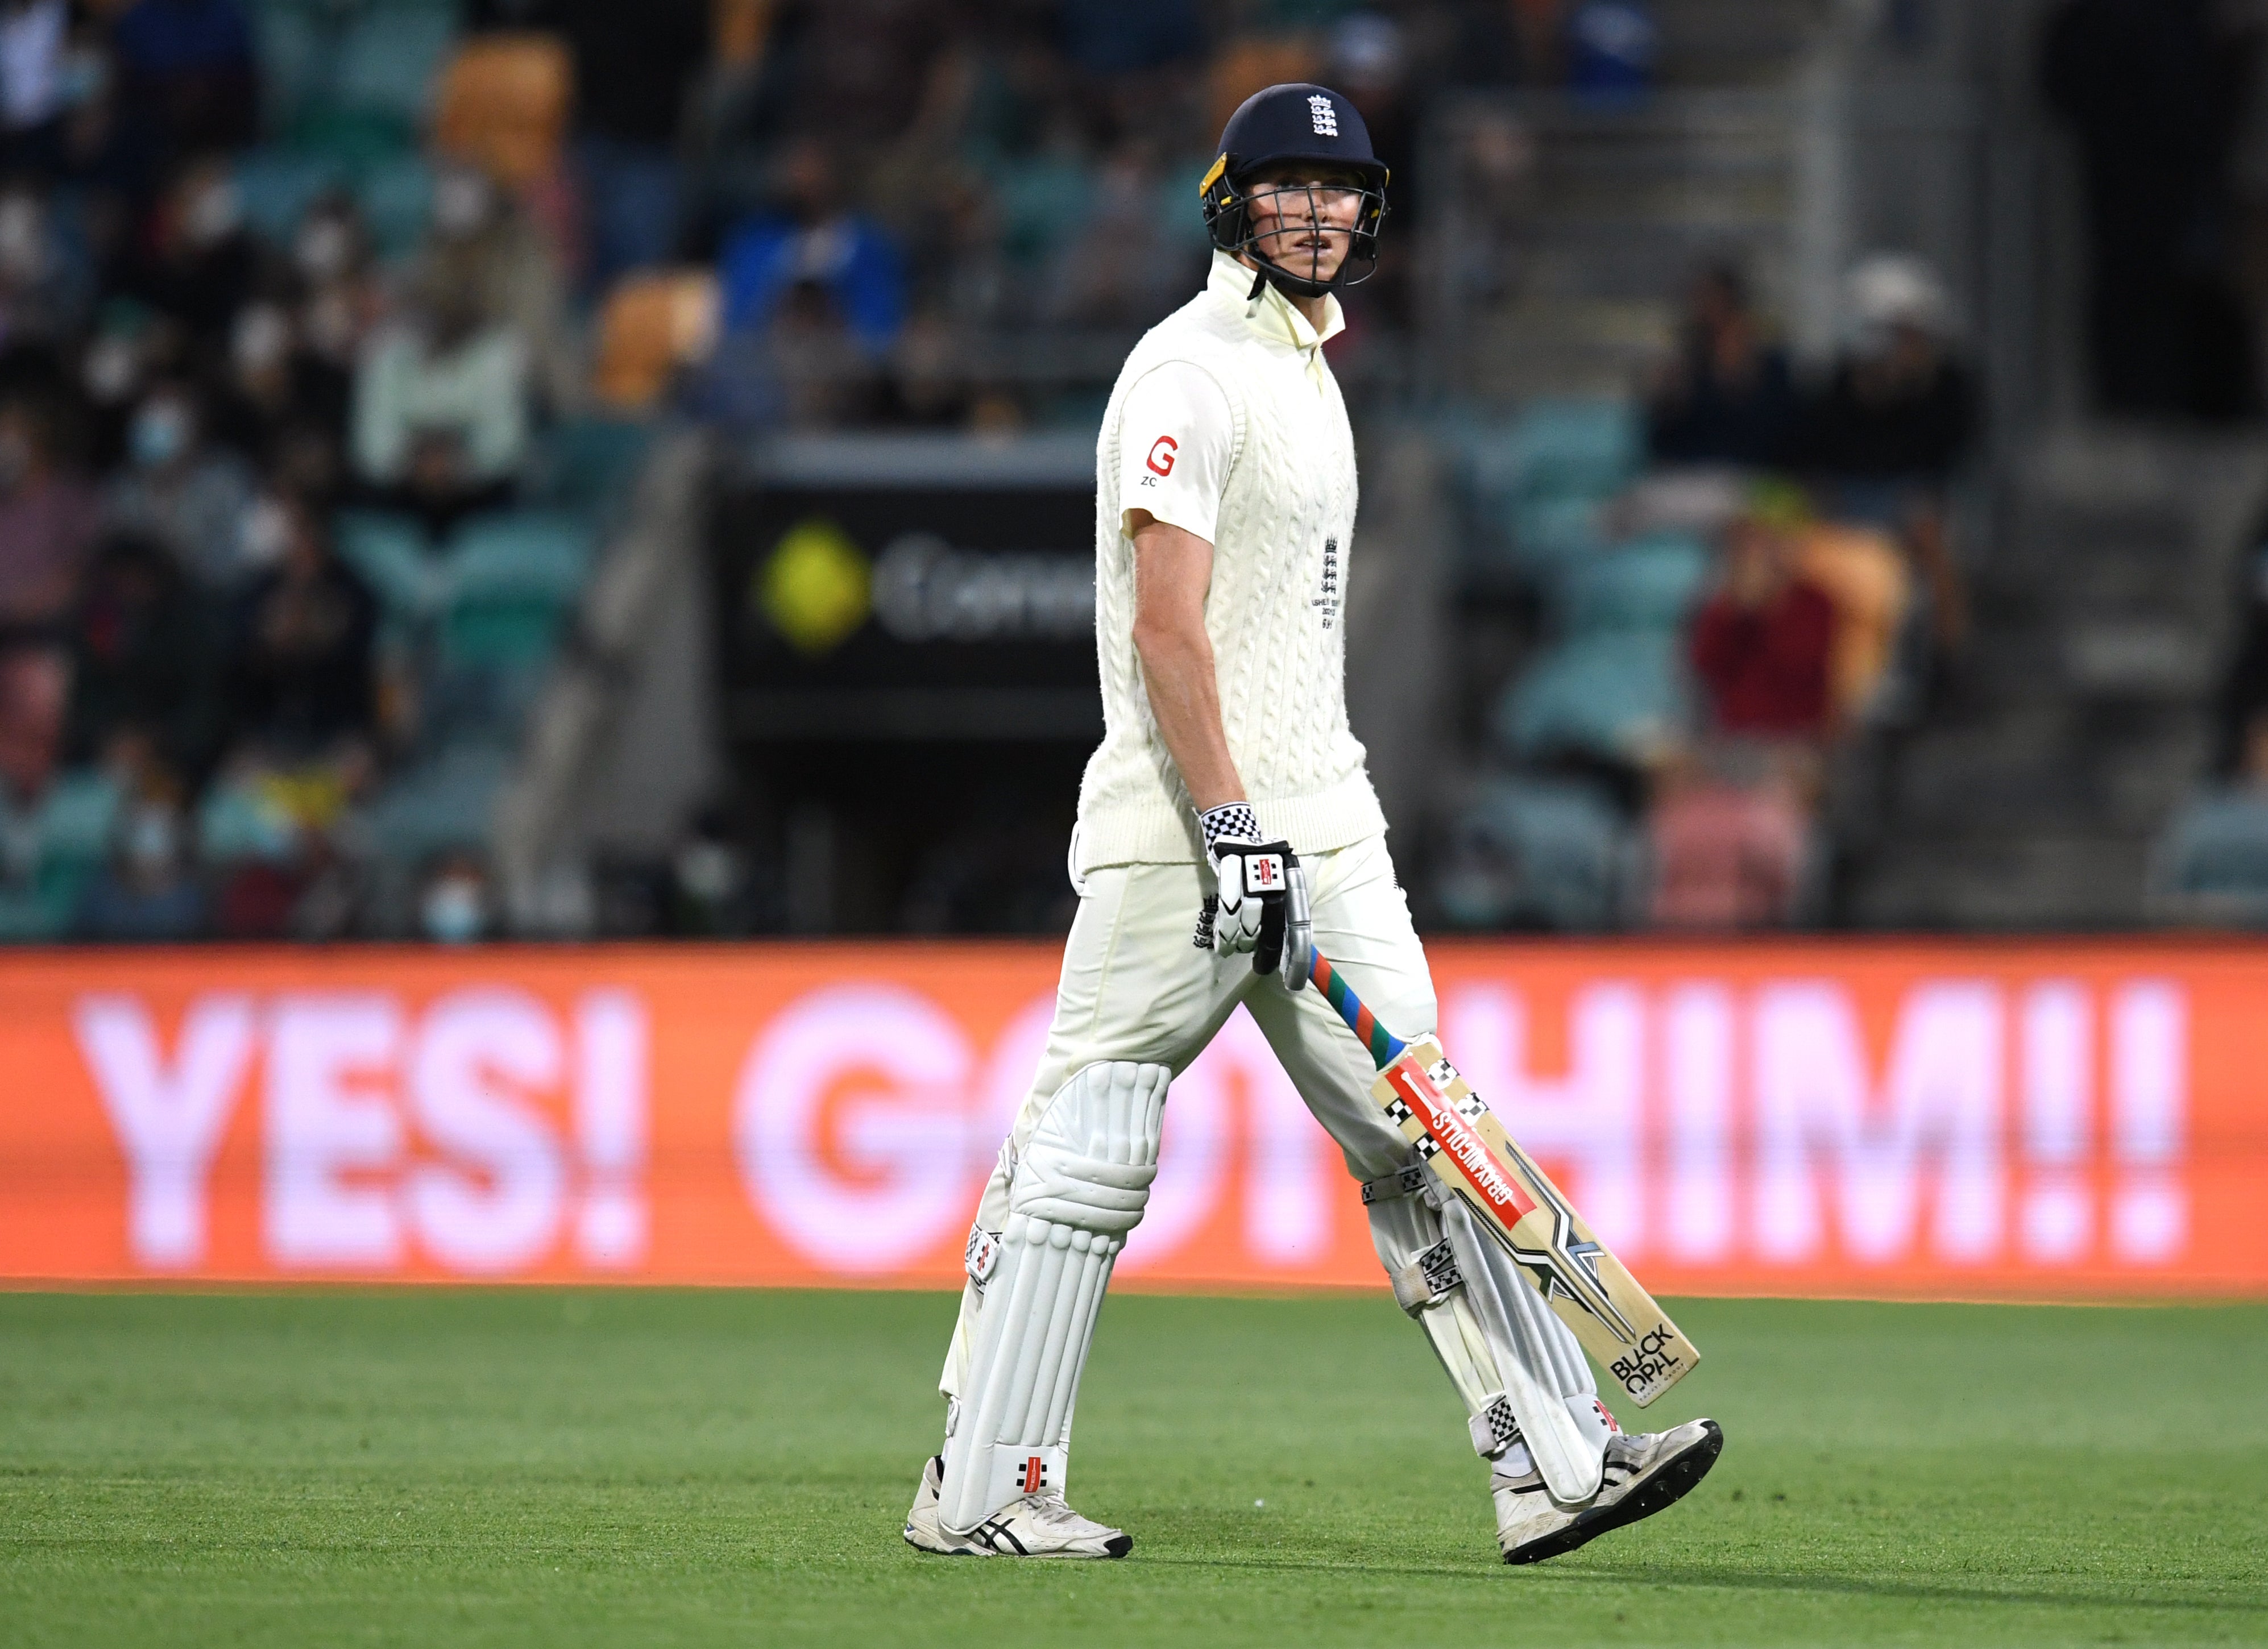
302 656
276 386
454 904
194 498
813 240
332 265
148 890
48 524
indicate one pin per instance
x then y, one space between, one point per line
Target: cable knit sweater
1283 537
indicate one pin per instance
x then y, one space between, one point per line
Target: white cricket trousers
1135 988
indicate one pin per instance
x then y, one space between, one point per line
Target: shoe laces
1050 1509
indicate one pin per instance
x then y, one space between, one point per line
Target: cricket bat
1516 1203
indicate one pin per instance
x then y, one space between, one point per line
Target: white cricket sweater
1283 534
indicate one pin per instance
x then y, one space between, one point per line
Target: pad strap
1386 1188
1494 1428
1427 1279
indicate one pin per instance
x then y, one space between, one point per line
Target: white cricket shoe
1040 1525
1644 1475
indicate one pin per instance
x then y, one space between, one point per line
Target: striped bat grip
1383 1045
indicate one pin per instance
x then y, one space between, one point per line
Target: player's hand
1252 878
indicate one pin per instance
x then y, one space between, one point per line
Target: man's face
1303 217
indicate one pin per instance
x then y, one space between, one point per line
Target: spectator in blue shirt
813 240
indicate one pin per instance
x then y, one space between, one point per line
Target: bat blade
1620 1325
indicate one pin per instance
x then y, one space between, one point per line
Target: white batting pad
1571 1465
1520 1372
1079 1188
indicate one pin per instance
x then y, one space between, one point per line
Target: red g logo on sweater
1161 454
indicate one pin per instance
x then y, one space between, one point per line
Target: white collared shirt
1179 431
1227 422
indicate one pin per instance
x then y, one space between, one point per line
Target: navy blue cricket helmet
1295 122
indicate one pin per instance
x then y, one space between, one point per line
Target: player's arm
1173 570
1176 445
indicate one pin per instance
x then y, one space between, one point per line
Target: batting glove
1252 877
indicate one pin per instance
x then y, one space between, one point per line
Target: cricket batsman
1227 802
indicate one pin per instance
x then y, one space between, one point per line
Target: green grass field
682 1468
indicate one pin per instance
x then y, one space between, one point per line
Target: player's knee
1090 1161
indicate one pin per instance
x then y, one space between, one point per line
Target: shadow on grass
1731 1579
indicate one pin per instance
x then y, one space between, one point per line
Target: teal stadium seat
277 184
444 803
1043 204
2214 856
1536 486
1649 583
1548 535
71 825
351 79
1617 695
589 466
1588 449
395 193
1539 853
391 55
392 556
512 579
234 827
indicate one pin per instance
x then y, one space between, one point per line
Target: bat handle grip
1383 1045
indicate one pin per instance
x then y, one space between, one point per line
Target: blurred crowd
1740 582
250 307
326 329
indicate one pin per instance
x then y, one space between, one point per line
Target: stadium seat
395 559
351 79
296 43
76 818
444 803
395 193
588 466
1649 584
70 826
1620 696
513 578
236 824
654 324
1043 202
503 104
2212 863
278 184
1536 488
1547 534
1538 853
390 56
1564 449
